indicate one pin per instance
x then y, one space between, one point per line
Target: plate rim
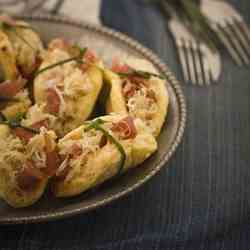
175 84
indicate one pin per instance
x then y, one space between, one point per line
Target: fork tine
245 29
183 61
229 47
236 44
197 60
206 69
236 29
190 62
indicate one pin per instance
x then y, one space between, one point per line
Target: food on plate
100 150
14 97
67 85
138 90
26 45
67 121
8 65
28 158
20 51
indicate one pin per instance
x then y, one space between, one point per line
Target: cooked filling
65 83
20 105
76 153
140 99
26 44
36 117
139 94
11 88
27 158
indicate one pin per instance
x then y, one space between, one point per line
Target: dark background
202 200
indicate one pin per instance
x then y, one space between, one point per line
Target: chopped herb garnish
96 124
8 99
16 123
76 58
140 73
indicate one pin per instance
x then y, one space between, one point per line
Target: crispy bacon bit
84 67
151 95
52 157
75 151
90 56
29 178
118 67
103 141
40 124
52 162
129 89
126 128
23 134
138 80
53 101
27 72
11 88
8 20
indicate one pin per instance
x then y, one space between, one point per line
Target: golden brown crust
15 191
105 163
117 104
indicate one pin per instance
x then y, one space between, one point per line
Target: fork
230 28
200 65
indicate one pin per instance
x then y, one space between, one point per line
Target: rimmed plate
107 43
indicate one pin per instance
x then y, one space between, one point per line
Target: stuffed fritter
100 150
69 91
137 90
46 98
26 44
13 95
28 158
20 53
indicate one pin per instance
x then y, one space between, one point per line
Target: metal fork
230 28
200 65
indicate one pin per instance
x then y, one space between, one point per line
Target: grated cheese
36 114
89 144
140 105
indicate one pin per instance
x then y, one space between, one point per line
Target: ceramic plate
107 43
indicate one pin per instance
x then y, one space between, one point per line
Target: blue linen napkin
202 200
